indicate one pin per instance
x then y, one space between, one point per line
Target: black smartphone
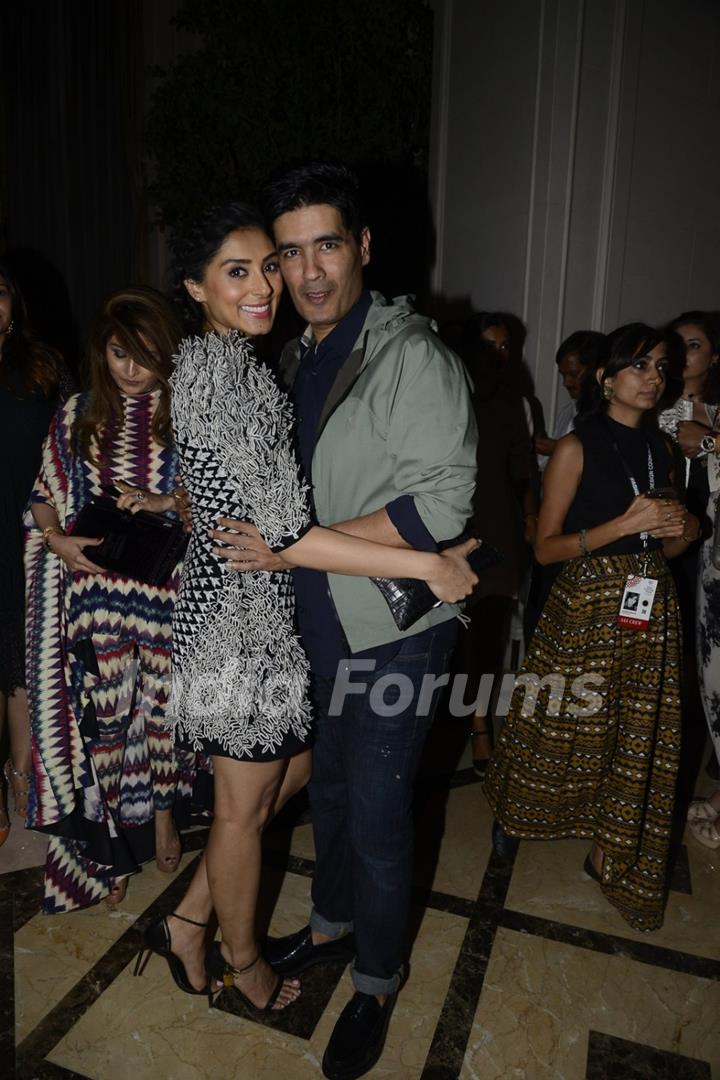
661 493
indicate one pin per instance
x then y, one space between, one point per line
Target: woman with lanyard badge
591 744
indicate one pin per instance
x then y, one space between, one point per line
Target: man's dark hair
590 346
314 183
515 375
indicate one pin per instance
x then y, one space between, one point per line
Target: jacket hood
386 318
393 314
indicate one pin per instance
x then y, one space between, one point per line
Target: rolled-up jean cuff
332 929
371 984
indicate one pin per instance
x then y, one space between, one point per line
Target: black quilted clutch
409 599
144 546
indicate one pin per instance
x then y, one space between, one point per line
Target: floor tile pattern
518 970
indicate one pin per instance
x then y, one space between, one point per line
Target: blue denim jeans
364 766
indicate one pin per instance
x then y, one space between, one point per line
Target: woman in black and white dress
239 672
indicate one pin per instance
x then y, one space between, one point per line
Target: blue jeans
364 766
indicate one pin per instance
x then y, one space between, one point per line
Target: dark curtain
74 221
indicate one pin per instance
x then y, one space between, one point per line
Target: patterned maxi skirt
591 744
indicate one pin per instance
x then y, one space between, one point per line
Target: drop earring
607 391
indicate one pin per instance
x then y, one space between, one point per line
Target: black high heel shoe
591 871
480 765
156 939
505 846
219 969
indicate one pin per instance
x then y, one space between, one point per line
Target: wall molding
610 158
618 213
569 191
561 30
533 168
442 47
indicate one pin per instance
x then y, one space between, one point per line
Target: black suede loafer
295 953
358 1037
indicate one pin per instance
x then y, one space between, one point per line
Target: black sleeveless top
605 490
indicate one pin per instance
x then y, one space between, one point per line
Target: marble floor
517 971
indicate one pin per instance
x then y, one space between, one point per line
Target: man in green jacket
386 437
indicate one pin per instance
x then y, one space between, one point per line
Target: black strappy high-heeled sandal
591 871
480 765
157 939
589 867
218 968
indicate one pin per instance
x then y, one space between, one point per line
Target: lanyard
631 478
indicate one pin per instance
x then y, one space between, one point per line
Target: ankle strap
10 767
231 972
184 918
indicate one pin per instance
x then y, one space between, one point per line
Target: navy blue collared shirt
317 620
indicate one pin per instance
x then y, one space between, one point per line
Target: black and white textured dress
239 672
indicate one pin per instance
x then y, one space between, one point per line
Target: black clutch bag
144 546
409 598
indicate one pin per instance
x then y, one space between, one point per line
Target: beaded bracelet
582 540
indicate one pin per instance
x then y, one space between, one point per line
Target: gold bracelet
48 532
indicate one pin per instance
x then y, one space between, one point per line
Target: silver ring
139 496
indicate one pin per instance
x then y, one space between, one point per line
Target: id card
637 601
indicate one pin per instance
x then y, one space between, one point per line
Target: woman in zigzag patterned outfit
107 777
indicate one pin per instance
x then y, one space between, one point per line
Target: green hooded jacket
398 421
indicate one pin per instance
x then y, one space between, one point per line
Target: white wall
575 162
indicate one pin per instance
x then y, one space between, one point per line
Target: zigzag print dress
98 669
239 673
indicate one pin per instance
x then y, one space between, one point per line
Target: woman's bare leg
168 848
297 775
245 793
188 941
19 728
197 904
18 721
